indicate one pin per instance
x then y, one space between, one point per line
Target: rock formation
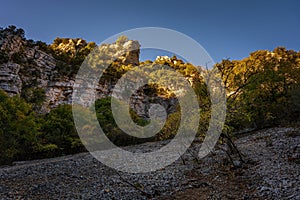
26 64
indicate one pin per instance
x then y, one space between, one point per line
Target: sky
228 29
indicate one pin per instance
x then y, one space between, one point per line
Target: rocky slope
271 171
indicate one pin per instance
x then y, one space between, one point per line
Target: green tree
19 129
260 87
109 126
34 96
59 129
122 39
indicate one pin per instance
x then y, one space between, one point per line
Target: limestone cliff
28 64
23 63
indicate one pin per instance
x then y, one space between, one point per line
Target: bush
19 129
34 96
122 39
58 129
17 57
3 57
110 128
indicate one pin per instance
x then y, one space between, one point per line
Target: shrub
19 129
58 128
110 128
3 57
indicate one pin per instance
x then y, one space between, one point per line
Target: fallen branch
232 147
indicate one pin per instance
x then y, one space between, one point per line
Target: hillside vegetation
263 90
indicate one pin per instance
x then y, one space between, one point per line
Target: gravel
276 152
272 168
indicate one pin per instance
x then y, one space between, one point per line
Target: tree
34 96
109 126
260 87
11 28
58 128
122 39
20 32
19 129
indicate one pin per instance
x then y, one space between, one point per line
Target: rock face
142 101
24 65
10 80
131 57
27 66
11 43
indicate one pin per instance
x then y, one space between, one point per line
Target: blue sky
226 29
